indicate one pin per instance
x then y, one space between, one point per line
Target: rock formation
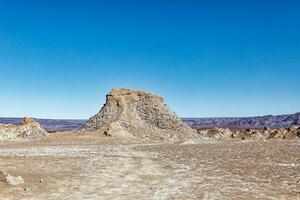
292 132
28 129
137 114
217 133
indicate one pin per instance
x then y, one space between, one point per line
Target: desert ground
91 166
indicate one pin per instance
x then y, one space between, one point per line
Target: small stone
41 180
13 180
26 189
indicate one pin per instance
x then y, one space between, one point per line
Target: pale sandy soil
94 167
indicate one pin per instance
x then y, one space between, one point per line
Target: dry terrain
65 166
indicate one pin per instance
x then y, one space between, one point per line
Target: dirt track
91 167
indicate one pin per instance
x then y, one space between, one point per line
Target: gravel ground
64 166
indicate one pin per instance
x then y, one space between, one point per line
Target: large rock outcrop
137 114
28 129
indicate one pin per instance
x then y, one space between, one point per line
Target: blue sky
58 59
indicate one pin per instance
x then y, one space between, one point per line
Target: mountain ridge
272 121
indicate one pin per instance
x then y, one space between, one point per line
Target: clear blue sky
58 59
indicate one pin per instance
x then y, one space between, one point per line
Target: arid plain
68 166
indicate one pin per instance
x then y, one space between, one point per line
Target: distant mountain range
272 121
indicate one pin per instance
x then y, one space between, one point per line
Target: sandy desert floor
64 166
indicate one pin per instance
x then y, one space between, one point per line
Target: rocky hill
28 129
137 114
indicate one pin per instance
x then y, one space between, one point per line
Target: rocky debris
285 133
28 129
217 133
137 114
11 180
292 132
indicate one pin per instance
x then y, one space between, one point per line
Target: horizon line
44 118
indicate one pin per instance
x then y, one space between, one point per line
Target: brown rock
28 129
137 114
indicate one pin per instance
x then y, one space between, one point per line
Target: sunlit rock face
28 129
137 114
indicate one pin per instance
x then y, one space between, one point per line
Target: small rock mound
137 114
28 129
266 133
292 132
27 120
217 133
